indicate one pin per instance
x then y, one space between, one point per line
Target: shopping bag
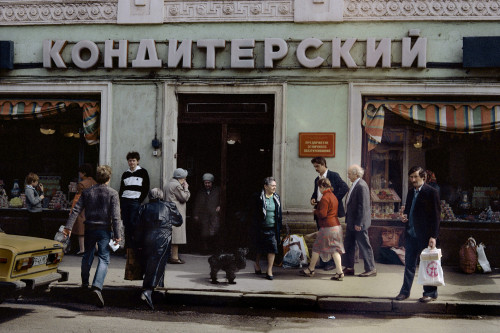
430 272
292 259
133 267
483 262
468 256
296 243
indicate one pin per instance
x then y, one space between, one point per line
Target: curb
128 297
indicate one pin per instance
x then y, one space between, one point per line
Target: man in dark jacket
340 189
153 237
422 215
206 213
102 216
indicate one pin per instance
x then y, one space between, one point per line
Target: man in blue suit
340 189
422 215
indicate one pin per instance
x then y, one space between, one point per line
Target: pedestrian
153 235
134 187
206 213
266 221
177 191
102 217
358 220
85 174
34 197
421 215
339 188
328 244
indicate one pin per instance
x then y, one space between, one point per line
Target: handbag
468 256
430 272
482 261
390 237
133 267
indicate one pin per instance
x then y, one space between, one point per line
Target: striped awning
12 109
454 117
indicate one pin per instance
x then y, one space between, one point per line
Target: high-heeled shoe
338 277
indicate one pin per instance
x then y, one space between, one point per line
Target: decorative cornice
227 11
43 12
432 10
57 12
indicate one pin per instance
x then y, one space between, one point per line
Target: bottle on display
16 191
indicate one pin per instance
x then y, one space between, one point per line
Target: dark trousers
413 248
361 237
130 215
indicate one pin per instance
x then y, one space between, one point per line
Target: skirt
328 241
266 241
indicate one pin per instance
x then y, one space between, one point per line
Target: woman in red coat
329 241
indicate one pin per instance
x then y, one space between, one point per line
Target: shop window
50 137
457 142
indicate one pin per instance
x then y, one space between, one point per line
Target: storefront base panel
452 236
15 221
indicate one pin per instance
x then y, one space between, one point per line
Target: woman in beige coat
177 191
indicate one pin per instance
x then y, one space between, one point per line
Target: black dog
228 262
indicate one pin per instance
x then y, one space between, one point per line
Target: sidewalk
190 284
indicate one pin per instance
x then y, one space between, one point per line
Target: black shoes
269 277
401 297
368 273
97 297
348 271
146 297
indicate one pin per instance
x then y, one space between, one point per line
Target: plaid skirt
328 241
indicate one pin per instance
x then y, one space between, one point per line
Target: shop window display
462 164
51 145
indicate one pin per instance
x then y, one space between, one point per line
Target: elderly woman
266 218
328 242
177 191
153 235
34 197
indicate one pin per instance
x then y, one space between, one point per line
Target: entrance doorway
231 137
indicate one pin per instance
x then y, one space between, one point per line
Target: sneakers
426 299
97 297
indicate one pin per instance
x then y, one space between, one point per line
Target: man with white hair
358 220
206 213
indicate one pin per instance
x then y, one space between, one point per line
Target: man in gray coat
358 220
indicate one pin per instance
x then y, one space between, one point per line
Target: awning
454 117
11 109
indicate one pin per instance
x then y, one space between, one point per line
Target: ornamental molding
45 12
229 11
419 10
42 12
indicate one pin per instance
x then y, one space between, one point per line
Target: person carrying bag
430 272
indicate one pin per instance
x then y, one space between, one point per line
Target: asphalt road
45 315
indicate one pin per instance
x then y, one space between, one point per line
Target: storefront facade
197 75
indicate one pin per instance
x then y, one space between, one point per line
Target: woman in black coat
266 219
154 235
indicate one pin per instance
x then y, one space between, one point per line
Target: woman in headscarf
154 234
177 191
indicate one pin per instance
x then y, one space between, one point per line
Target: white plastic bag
291 259
430 272
297 243
481 258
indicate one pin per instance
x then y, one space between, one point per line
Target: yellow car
27 263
